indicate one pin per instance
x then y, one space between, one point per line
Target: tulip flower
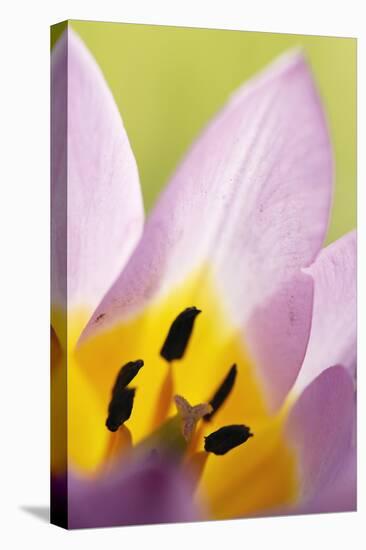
211 349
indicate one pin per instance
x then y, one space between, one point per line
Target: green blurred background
169 81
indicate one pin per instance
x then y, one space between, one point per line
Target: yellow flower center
249 479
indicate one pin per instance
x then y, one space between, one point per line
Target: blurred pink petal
100 211
334 325
321 428
340 496
251 203
145 492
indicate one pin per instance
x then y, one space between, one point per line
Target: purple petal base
147 491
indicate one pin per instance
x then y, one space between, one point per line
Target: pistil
190 415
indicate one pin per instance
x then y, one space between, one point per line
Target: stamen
165 398
226 438
120 408
126 375
222 392
119 445
179 333
190 415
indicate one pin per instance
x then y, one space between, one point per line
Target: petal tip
280 69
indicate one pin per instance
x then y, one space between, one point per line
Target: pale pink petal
250 204
321 429
97 212
334 325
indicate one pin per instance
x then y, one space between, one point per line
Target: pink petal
250 203
143 492
334 326
321 428
96 201
340 496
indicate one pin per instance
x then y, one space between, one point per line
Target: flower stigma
190 415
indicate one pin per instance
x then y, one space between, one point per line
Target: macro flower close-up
209 347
